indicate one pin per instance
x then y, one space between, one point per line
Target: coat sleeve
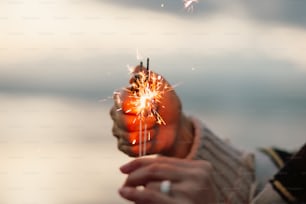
289 184
268 196
234 172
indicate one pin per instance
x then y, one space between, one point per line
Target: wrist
183 140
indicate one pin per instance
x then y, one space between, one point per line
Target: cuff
198 129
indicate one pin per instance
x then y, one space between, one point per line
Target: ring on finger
165 187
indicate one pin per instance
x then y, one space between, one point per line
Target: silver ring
165 187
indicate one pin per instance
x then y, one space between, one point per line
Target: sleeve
268 196
234 174
288 184
290 181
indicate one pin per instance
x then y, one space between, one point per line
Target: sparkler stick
145 140
140 138
143 146
145 125
140 128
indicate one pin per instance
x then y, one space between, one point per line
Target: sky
239 66
83 48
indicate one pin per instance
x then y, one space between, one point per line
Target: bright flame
146 92
148 89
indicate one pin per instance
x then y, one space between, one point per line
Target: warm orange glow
146 92
144 97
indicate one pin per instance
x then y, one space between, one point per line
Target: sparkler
188 4
146 90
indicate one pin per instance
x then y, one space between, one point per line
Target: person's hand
190 181
169 132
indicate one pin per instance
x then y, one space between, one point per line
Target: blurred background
240 67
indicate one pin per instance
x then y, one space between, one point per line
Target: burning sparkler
146 91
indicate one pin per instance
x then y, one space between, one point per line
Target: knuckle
196 174
117 133
114 129
126 150
153 169
112 112
201 172
120 146
152 186
205 165
161 159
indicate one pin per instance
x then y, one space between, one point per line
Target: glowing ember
147 91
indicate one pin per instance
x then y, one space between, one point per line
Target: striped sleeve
233 169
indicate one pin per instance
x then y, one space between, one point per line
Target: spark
188 4
146 93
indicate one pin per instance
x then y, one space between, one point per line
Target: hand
190 181
170 132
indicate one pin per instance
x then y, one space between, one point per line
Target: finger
154 172
154 185
132 122
114 112
145 196
117 99
133 150
175 187
130 105
119 133
122 142
132 138
151 147
142 162
126 100
119 118
114 131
